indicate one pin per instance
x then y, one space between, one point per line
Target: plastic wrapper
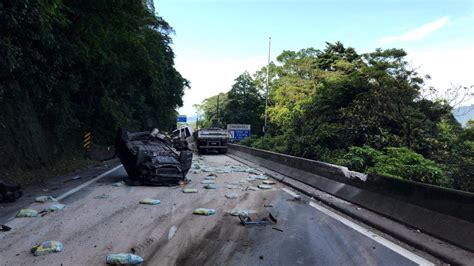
208 182
149 201
242 213
123 258
257 177
268 182
231 195
204 211
118 184
263 186
55 207
190 190
47 247
43 199
26 213
210 186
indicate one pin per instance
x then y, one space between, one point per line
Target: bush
360 158
396 162
407 164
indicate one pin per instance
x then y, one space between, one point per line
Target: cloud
209 76
416 33
447 66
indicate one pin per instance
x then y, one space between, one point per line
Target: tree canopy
365 111
69 66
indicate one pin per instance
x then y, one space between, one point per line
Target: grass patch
67 164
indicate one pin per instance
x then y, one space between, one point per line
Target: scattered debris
278 229
5 228
210 177
207 182
231 195
268 182
258 177
26 213
43 199
73 178
265 186
239 213
246 220
118 184
103 196
54 207
210 186
149 201
123 258
252 188
359 209
190 190
268 206
172 232
212 174
251 178
204 211
47 247
261 257
231 187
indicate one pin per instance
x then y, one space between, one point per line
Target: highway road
90 227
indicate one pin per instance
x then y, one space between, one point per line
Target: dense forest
364 111
70 66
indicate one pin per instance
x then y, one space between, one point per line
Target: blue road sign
238 131
181 119
241 134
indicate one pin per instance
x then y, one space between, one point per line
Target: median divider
444 213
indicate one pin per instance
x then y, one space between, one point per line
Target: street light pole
266 92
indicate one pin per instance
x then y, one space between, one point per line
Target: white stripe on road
76 189
385 242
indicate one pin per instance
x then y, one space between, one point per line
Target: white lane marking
385 242
76 189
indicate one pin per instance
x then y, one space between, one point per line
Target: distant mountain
464 114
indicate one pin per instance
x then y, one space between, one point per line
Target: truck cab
213 138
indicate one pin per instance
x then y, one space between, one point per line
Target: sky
216 40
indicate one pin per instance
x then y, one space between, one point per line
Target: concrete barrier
444 213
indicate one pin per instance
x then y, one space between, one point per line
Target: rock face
149 158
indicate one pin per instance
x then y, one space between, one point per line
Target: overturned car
149 158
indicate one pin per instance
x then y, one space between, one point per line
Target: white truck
213 138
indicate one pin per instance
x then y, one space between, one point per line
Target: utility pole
217 108
197 120
266 92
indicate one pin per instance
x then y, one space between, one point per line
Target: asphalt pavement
100 219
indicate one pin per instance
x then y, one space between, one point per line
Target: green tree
245 105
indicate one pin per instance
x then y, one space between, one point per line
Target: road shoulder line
368 233
81 186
